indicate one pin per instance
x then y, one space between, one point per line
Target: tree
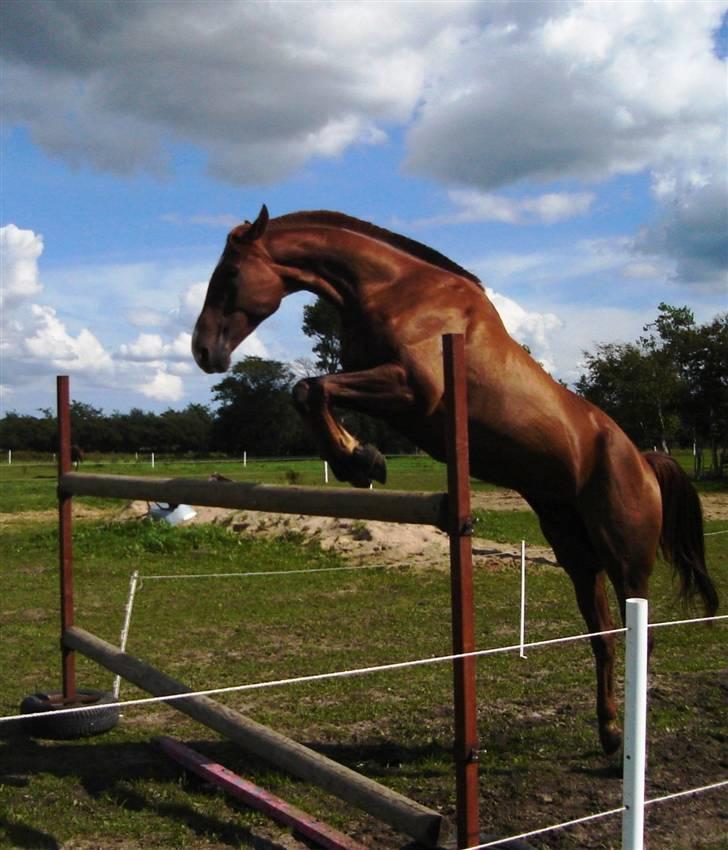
322 322
636 388
28 433
671 384
705 377
188 430
255 412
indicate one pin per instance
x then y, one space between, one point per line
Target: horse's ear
257 228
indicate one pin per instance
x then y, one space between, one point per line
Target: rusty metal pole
461 577
65 535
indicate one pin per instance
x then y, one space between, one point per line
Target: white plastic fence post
152 460
635 725
523 597
245 459
10 456
127 621
326 472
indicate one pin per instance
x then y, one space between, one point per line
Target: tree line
251 412
667 389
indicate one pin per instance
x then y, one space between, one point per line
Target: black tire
69 726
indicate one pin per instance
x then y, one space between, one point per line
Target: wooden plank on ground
424 825
258 798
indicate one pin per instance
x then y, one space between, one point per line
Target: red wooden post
65 534
461 577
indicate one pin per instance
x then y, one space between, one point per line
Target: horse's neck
334 267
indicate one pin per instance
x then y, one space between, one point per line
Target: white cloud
549 208
191 299
152 347
693 229
529 328
50 341
490 95
38 341
641 271
146 318
259 96
163 387
19 252
594 90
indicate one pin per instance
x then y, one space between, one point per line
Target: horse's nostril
203 357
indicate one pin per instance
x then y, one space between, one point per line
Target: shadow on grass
105 770
21 835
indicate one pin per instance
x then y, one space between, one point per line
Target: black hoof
610 738
369 465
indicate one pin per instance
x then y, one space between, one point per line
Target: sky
573 155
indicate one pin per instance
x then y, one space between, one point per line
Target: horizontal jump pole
343 503
424 825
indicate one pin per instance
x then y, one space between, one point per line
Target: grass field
540 761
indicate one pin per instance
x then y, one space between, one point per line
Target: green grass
536 715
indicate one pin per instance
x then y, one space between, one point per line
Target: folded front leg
379 391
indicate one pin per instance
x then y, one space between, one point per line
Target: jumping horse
604 507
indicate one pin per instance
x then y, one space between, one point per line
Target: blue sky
573 155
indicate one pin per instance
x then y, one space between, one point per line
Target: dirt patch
367 542
374 542
715 505
362 542
79 512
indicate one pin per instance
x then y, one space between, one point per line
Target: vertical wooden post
461 572
65 534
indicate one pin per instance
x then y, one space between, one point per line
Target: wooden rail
383 505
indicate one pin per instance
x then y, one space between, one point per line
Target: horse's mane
403 243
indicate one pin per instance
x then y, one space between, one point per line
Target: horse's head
244 289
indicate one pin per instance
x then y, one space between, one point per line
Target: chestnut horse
604 507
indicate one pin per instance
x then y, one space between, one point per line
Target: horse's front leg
379 391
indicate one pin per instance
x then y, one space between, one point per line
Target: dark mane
403 243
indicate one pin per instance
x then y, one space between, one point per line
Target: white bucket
173 514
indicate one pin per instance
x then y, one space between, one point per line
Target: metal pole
65 534
635 725
461 577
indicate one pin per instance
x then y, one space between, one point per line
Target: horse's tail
681 539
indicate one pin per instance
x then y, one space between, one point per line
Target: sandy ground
389 543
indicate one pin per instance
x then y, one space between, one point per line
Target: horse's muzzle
211 359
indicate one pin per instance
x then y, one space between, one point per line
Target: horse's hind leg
591 596
574 552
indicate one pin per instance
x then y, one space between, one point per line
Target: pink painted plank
258 798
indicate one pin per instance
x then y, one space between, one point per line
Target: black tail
682 536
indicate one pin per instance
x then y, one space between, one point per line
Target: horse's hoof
369 465
611 738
